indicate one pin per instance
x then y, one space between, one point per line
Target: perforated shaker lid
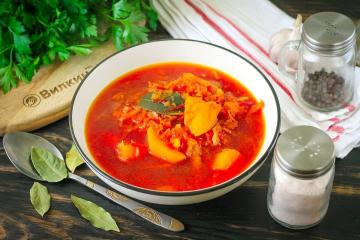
305 151
329 32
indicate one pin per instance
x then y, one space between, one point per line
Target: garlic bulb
278 39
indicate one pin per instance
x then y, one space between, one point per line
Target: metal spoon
18 146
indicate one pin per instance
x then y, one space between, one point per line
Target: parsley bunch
38 32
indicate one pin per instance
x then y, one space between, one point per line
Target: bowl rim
222 185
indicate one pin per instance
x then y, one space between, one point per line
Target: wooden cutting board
48 97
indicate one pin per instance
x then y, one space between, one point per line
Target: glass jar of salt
301 177
325 61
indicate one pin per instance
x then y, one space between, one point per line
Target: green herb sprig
35 33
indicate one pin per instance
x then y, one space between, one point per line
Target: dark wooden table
241 214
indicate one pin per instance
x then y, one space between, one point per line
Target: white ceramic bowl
174 51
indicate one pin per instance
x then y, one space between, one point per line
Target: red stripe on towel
234 43
337 129
335 139
247 37
334 119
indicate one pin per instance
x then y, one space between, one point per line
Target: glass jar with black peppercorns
325 61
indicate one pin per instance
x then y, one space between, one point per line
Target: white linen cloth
245 26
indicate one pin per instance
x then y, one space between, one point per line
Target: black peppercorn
323 90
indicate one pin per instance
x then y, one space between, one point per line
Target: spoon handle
139 209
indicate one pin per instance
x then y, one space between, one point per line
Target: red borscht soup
175 127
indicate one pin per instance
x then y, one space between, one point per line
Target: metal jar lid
329 33
305 151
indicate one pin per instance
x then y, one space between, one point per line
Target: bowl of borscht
175 121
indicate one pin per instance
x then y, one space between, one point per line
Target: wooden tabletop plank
241 214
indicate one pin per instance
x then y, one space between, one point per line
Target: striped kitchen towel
245 26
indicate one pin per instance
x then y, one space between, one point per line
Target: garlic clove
280 38
292 63
277 41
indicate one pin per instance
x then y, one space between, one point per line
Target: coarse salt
301 177
299 202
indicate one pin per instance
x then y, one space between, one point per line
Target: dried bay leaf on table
95 214
40 198
73 159
50 167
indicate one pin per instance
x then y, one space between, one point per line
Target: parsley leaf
16 26
7 81
135 34
21 43
20 73
35 33
81 50
117 34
